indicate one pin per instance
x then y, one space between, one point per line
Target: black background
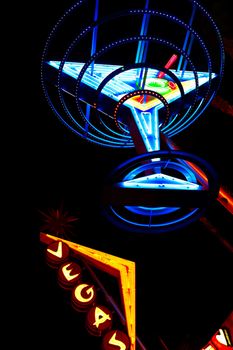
184 289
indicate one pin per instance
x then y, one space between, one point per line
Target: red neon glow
224 198
220 341
172 85
142 99
168 65
223 105
58 222
209 347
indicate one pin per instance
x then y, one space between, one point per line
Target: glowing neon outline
120 85
118 267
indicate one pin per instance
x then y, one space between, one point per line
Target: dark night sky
189 270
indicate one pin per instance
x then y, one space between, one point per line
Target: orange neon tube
224 198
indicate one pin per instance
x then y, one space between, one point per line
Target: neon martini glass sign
138 104
144 109
154 96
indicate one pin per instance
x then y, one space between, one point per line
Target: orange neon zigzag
118 267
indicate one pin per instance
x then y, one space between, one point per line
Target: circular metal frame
157 219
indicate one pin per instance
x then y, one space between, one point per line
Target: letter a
100 317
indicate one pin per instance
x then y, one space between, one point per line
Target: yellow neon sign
122 269
116 338
119 343
78 292
58 252
100 317
67 272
